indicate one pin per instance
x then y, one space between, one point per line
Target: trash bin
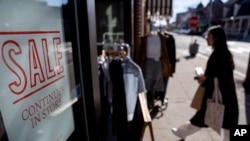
193 48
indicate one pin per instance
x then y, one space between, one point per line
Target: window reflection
54 3
109 21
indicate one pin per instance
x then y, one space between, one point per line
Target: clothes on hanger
171 53
127 82
103 66
153 46
170 44
166 66
151 68
154 69
119 115
105 93
132 77
133 83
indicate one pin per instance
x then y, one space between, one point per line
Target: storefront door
44 84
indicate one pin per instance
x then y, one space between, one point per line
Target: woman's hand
201 78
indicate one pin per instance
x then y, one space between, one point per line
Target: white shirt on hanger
133 84
154 47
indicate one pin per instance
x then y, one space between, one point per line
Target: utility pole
210 12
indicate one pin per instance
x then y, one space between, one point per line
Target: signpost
193 22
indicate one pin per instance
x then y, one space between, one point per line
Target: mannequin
152 69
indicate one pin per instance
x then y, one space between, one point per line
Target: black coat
220 65
119 116
170 43
246 83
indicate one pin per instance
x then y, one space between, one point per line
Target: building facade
236 20
50 86
234 16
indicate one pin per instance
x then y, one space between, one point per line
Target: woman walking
221 65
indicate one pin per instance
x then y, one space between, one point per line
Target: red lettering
43 107
34 64
58 54
44 64
49 71
10 49
44 113
35 120
32 110
25 114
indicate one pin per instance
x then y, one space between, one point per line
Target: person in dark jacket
221 65
246 86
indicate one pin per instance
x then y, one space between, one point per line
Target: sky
180 6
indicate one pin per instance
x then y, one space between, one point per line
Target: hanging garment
153 47
119 116
153 70
133 83
166 66
171 53
153 75
105 107
104 98
137 123
170 44
107 84
152 61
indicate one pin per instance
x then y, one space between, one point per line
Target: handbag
215 109
198 98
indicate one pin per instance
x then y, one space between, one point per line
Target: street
182 86
240 50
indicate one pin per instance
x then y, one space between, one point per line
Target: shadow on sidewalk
157 112
189 57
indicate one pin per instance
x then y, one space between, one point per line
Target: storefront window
37 75
109 21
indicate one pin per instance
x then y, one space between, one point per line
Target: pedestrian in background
221 65
246 86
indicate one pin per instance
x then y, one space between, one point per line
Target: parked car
185 31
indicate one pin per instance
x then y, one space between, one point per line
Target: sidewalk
180 91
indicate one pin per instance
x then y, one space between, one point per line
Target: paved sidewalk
180 91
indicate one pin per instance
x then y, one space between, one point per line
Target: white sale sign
35 101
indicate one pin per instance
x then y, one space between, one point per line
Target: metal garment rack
117 44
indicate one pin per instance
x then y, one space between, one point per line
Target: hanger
121 53
113 34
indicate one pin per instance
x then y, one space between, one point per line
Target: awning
164 7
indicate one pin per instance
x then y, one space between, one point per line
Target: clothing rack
117 44
147 121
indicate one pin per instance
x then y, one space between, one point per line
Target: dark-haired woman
221 65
